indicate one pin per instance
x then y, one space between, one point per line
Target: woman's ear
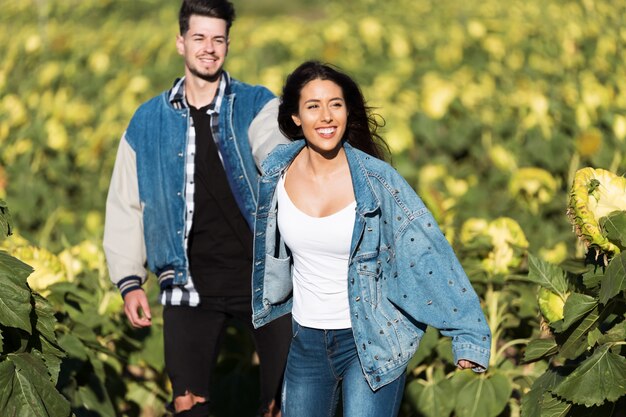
296 119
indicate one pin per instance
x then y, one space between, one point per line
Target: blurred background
491 106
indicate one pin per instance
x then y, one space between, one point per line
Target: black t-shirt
220 241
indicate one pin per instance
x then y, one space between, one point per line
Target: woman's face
322 114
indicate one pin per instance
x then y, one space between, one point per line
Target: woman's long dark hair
361 126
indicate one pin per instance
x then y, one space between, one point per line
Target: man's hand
135 301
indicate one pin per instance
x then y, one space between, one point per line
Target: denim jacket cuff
472 353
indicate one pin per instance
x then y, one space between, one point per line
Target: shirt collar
177 94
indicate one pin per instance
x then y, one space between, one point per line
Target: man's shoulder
252 90
157 101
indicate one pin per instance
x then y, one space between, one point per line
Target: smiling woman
344 244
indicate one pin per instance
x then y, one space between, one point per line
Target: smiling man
181 202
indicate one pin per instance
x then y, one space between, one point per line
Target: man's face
204 47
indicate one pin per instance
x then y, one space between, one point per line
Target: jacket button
377 379
180 154
358 298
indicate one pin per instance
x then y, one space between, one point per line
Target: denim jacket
402 273
145 218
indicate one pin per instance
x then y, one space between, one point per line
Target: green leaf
540 348
593 337
576 339
593 277
614 226
73 346
576 307
616 334
551 406
15 295
539 399
33 393
432 399
5 220
94 396
481 395
599 378
45 318
547 275
614 279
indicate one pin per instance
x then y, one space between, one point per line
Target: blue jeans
322 361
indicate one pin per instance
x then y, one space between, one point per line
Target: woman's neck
323 165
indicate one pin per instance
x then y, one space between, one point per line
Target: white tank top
320 247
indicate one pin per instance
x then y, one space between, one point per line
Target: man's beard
207 77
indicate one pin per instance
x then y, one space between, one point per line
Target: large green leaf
539 348
432 399
551 406
31 392
15 295
614 279
614 226
599 378
481 395
539 398
576 307
575 342
547 275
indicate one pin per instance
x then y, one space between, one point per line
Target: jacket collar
367 202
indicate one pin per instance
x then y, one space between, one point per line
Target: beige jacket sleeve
264 134
124 245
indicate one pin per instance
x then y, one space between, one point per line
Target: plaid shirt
187 294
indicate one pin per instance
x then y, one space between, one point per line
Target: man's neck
198 92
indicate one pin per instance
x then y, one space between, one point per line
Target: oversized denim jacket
402 274
157 137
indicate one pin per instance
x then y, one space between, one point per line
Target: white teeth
326 131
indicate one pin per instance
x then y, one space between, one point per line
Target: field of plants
493 109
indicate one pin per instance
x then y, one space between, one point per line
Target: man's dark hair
220 9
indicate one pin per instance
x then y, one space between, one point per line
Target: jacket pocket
277 284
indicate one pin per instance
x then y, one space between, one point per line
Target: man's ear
180 44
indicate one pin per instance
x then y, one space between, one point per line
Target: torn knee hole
188 400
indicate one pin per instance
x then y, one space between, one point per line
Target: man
182 200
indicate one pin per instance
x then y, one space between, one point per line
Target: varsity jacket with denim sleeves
145 209
402 273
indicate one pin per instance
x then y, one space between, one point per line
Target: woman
345 244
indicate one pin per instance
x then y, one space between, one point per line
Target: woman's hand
465 364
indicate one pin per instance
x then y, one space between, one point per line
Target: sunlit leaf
15 296
576 306
539 400
615 227
601 377
547 275
576 339
539 348
481 395
433 399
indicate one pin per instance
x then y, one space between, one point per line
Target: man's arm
264 134
123 242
